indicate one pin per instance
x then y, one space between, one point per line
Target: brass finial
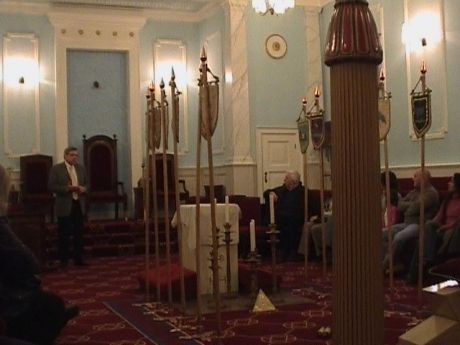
317 93
203 55
151 86
304 101
173 75
382 75
162 84
423 67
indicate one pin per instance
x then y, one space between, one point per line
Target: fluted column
353 53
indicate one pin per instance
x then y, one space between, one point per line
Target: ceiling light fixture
272 6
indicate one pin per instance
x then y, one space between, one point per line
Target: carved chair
34 175
100 158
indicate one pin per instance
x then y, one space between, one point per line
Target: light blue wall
41 27
189 34
102 110
276 86
404 151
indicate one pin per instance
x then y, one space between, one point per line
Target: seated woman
27 312
391 215
440 233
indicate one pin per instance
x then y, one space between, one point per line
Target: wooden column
353 53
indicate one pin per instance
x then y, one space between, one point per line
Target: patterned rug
113 312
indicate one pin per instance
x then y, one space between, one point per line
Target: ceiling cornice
34 8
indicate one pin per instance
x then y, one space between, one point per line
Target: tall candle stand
227 241
211 261
273 240
253 260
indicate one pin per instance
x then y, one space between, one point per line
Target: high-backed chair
100 157
219 192
34 183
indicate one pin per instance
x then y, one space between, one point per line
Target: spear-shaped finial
151 87
317 93
203 55
382 76
173 75
162 84
423 67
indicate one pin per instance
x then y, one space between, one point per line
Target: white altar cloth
188 245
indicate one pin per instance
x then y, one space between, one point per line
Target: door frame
260 132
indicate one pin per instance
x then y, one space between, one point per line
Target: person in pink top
439 231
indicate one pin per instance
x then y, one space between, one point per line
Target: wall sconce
423 30
163 71
20 71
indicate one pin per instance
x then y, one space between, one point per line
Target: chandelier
272 6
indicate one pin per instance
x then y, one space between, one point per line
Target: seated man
290 212
28 312
409 206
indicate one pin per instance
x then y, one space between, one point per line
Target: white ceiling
173 5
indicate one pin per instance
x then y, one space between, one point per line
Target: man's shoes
72 312
81 263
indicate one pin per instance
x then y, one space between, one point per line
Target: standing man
67 181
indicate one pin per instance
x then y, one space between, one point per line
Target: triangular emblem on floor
263 303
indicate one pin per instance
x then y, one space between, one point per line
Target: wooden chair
100 158
219 192
34 175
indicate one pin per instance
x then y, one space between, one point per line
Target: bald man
289 212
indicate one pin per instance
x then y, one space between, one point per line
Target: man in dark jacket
290 212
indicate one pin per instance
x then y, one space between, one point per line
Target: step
444 299
436 330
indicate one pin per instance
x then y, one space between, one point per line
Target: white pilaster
241 165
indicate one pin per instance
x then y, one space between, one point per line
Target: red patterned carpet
107 290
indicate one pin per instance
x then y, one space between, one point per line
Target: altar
188 243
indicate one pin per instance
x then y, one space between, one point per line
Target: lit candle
227 215
252 234
272 208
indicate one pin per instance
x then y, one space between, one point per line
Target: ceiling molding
174 13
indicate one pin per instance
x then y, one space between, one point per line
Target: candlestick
252 234
272 208
227 215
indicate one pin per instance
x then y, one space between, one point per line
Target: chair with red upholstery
34 173
100 157
250 209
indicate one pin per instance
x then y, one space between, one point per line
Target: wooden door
278 150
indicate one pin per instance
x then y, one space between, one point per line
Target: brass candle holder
273 240
228 240
253 260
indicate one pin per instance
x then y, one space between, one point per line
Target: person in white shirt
67 181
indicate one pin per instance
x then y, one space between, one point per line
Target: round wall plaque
276 46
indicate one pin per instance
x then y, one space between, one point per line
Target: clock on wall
276 46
